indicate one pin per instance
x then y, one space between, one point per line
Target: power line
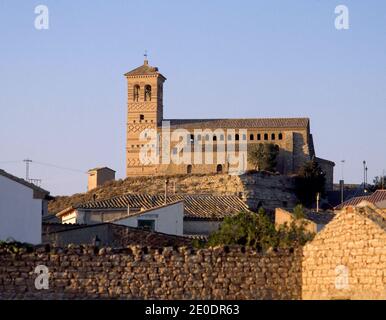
59 167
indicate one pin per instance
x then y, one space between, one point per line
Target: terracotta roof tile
196 206
241 123
376 197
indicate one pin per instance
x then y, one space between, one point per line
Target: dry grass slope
184 184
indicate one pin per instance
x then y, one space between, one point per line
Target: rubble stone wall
142 273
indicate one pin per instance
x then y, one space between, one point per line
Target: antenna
27 162
36 182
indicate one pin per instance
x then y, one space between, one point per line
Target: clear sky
63 94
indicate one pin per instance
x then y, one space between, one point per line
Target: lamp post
97 241
341 184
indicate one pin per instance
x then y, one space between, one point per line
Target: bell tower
144 111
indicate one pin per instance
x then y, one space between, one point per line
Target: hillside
212 184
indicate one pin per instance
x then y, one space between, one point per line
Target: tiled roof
195 206
320 217
377 197
144 70
241 123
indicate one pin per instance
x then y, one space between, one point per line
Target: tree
379 182
299 212
258 231
309 182
263 156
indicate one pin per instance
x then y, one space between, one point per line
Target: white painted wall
168 219
20 213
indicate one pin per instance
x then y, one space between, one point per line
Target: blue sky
63 94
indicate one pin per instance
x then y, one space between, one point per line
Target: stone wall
141 273
346 260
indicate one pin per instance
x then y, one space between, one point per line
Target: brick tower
145 111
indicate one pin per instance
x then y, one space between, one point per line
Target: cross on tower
145 55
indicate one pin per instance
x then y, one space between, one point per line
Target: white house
22 205
202 213
168 218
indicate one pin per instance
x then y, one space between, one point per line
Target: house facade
202 214
22 206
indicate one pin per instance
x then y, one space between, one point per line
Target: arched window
229 137
136 93
237 137
189 169
258 136
214 138
251 137
141 117
266 136
273 137
219 168
280 136
147 93
221 137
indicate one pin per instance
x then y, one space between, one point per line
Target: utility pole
317 202
166 190
341 184
27 162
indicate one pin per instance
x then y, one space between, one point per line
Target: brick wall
135 273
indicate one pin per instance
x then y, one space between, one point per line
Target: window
207 137
280 136
189 169
174 150
192 138
146 224
265 136
141 117
199 137
273 137
214 138
251 136
147 93
229 137
219 168
258 136
237 137
244 137
221 137
136 93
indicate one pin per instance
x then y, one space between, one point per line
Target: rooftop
144 70
376 198
241 123
30 185
197 206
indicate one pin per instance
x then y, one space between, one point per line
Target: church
145 114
